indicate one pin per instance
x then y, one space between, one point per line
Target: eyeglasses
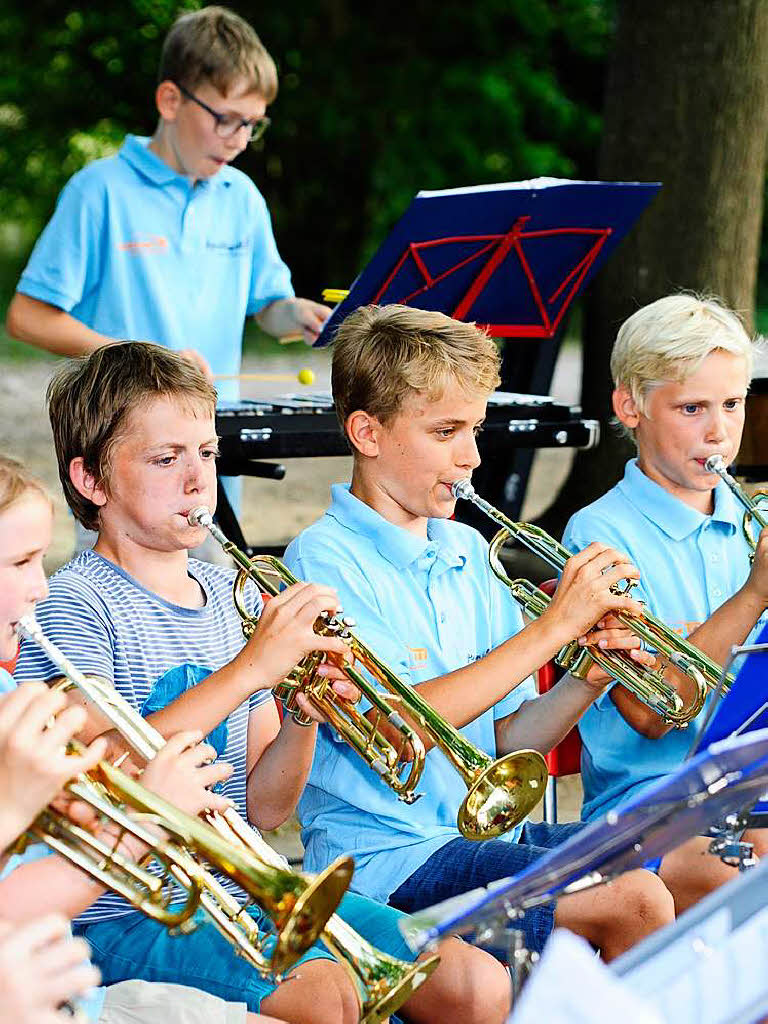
228 125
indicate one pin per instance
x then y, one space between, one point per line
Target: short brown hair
217 46
90 399
382 354
15 481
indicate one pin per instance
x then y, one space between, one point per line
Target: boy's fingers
14 704
627 604
65 727
39 712
38 933
616 639
303 702
90 758
181 741
212 774
348 691
74 980
330 644
331 671
645 658
218 802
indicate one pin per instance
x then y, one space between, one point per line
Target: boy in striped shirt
136 444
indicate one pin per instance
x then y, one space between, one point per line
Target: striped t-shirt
109 625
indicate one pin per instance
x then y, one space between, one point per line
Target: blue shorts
462 865
133 946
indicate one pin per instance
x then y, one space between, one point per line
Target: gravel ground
274 511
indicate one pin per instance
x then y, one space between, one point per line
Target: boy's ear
363 432
625 408
85 482
167 100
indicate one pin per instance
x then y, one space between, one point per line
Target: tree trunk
686 104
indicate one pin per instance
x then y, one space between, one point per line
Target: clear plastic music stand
729 775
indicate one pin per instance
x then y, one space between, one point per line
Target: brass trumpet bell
298 906
383 982
503 794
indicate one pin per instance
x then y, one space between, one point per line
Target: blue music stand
742 710
512 256
729 775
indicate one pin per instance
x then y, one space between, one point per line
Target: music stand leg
521 960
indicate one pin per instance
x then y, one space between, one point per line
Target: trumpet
155 894
298 905
648 685
753 512
500 793
382 982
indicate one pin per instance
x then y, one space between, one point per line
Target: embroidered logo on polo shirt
144 243
417 657
243 243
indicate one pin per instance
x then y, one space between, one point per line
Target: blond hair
669 339
218 46
382 354
16 481
89 401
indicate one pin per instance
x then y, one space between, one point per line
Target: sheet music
709 976
572 986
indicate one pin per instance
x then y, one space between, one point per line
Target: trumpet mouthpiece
462 489
200 516
714 463
28 627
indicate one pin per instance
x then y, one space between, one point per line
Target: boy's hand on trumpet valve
584 594
35 727
610 635
285 634
184 771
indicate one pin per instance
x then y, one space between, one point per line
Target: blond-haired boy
411 389
135 439
681 368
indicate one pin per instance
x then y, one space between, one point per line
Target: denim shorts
133 946
462 865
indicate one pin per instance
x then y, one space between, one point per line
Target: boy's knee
644 900
471 985
317 992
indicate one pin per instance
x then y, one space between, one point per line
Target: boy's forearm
207 704
277 780
46 885
276 318
730 624
542 723
41 324
462 696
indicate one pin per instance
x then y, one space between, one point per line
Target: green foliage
376 101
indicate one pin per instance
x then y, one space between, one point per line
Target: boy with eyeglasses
164 240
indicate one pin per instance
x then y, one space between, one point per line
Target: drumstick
305 376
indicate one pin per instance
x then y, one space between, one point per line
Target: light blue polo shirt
690 564
427 607
134 251
91 1004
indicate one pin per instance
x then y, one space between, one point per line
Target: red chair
565 758
9 666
